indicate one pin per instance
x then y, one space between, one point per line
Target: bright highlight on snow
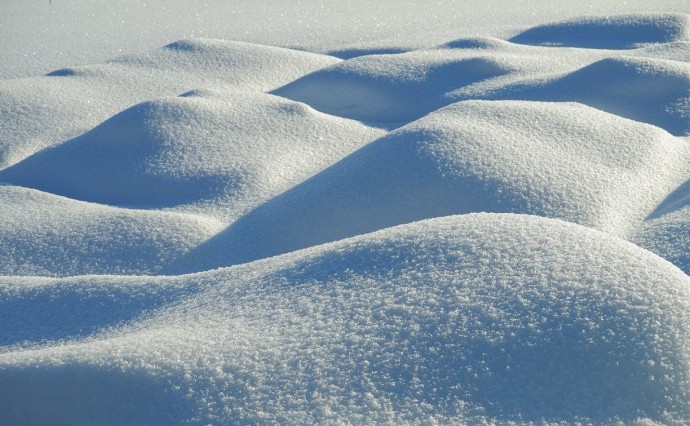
436 228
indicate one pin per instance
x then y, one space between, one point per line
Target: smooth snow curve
39 112
462 319
227 151
43 234
559 160
483 219
653 91
391 88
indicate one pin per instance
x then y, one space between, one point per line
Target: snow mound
654 91
678 51
230 149
561 160
399 88
464 319
43 234
250 66
391 88
43 111
610 32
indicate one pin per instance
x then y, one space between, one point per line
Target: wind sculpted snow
39 112
615 32
227 151
559 160
487 228
463 319
43 234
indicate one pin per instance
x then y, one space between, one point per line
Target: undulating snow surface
456 319
483 221
41 111
559 160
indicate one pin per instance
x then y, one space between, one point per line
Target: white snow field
354 213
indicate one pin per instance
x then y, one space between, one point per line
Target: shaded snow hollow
480 231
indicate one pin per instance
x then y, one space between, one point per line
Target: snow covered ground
363 212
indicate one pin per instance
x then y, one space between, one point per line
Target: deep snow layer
208 153
459 319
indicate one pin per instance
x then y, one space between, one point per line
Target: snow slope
466 214
40 111
68 237
559 160
460 319
615 32
666 231
230 149
653 91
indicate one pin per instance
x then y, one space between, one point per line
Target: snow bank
610 32
225 152
43 111
43 234
465 319
558 160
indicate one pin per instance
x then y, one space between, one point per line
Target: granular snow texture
432 225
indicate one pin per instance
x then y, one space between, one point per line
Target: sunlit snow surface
477 230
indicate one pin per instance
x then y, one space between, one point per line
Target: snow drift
43 234
361 279
558 160
615 32
39 112
226 150
460 319
654 91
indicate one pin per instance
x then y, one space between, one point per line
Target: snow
41 111
69 237
316 213
610 32
561 160
666 231
459 319
230 149
654 91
